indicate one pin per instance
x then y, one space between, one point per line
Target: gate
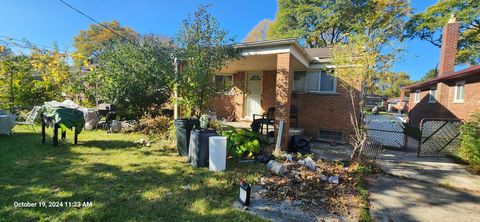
387 131
440 137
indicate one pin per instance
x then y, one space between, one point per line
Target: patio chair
30 117
266 119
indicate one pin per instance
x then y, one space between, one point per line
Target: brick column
282 95
238 84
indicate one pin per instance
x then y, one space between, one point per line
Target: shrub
242 142
154 125
470 146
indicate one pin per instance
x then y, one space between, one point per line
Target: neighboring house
398 103
375 100
281 73
451 94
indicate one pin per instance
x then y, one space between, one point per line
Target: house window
432 95
459 91
314 81
417 95
299 81
224 83
330 135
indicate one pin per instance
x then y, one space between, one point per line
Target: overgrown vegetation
470 146
203 48
134 76
154 125
241 142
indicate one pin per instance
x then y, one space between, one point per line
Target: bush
154 125
242 142
470 146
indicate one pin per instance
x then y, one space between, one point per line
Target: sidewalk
423 189
436 170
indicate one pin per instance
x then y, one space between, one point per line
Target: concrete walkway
423 189
441 171
397 199
434 170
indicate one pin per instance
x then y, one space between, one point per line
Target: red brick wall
326 111
315 111
268 89
471 102
231 105
446 108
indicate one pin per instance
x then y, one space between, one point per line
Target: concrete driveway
423 189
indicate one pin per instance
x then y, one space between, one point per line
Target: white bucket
217 153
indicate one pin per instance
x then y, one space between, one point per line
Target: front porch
261 79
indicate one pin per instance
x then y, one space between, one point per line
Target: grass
122 181
361 175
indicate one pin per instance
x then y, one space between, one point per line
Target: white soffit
276 50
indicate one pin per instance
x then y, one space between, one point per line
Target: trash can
217 153
183 127
198 149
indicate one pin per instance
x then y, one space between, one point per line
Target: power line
23 43
97 22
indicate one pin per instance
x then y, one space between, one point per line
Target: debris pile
315 185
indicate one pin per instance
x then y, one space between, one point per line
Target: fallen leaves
315 188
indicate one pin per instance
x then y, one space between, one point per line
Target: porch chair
266 119
30 117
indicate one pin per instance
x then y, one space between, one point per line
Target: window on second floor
459 92
314 81
432 95
417 95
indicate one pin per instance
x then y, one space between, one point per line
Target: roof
375 97
471 71
319 52
313 54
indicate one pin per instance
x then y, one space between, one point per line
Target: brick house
281 73
451 94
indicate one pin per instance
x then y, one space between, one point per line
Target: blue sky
46 21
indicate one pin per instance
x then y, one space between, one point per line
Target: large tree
204 48
390 84
133 75
90 42
259 32
322 23
432 73
27 80
428 25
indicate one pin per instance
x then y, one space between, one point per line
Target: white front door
253 95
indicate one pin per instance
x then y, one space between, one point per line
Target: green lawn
123 182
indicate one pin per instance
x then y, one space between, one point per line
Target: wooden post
55 134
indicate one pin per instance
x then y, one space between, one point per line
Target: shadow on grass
108 144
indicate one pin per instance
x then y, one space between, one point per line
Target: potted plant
202 49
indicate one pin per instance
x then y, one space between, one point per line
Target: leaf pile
316 195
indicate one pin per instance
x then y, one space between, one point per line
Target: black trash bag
264 158
299 144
